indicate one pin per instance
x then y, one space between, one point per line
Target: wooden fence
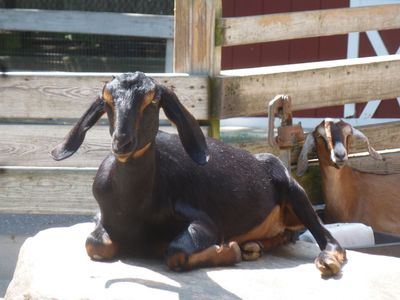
37 109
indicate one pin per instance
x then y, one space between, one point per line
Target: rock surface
54 265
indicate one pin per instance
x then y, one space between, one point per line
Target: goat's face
132 105
331 138
132 102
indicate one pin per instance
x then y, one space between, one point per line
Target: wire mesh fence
47 51
162 7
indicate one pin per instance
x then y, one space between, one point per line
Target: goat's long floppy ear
75 137
302 162
191 136
357 133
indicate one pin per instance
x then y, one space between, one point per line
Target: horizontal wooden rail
294 25
381 136
247 92
58 95
67 190
30 145
59 191
155 26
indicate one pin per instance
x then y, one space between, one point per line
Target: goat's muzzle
122 144
339 155
128 150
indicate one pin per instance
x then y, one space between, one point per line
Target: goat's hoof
251 251
230 254
177 261
330 262
101 248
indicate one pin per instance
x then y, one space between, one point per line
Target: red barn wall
302 50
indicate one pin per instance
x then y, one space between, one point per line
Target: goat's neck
337 185
136 176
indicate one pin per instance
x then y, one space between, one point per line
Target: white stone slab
54 265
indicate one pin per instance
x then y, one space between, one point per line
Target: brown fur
354 196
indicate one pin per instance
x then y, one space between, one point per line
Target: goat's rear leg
197 246
99 245
333 256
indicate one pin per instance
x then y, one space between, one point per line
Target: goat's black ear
191 136
75 137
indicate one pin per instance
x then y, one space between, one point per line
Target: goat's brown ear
357 133
302 162
191 136
75 137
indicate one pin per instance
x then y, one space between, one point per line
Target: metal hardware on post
289 135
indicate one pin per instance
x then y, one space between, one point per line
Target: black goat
159 198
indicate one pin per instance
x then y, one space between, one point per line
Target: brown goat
351 195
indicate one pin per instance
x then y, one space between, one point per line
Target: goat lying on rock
351 195
194 204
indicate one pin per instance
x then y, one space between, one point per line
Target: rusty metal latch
289 135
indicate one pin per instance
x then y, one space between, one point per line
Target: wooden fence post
195 51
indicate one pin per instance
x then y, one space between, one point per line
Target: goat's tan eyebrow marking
148 98
108 98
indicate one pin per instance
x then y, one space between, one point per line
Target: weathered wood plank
294 25
68 190
47 191
30 145
381 136
127 24
182 36
68 95
195 50
247 92
364 163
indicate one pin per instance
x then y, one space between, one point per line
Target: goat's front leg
197 246
333 256
99 245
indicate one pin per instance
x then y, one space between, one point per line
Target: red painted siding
283 52
391 38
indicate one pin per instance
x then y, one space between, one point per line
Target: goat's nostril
340 152
122 148
340 156
340 159
122 144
